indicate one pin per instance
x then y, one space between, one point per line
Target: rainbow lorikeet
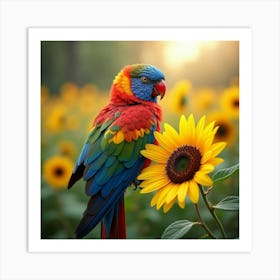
110 160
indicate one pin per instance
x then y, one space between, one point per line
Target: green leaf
177 229
229 203
223 174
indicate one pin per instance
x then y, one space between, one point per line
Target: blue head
146 82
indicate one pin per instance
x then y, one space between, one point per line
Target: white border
36 35
262 16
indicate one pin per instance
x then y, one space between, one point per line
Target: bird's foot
136 183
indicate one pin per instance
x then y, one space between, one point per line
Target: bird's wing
110 160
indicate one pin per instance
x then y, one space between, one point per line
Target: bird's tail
117 229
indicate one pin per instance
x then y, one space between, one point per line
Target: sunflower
183 160
90 89
72 122
227 130
55 119
179 94
57 171
69 93
204 99
87 99
67 148
230 101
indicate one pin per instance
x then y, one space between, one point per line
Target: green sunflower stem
212 211
202 222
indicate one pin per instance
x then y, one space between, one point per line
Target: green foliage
177 229
223 174
180 228
229 203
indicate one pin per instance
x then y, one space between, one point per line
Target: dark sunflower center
183 101
182 164
235 103
222 130
58 171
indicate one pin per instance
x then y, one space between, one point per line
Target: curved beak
159 89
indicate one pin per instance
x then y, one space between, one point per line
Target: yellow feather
122 83
118 137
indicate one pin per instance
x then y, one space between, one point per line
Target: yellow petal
205 145
171 140
191 119
215 161
170 130
183 130
172 193
152 171
165 142
154 156
191 130
161 199
172 133
217 148
155 198
167 206
200 125
193 192
209 138
209 127
152 185
157 149
182 124
182 203
203 179
205 134
206 168
182 192
200 134
206 157
215 130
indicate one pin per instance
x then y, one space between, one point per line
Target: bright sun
185 51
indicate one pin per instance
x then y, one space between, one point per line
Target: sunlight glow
180 52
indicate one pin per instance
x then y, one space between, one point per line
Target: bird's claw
136 183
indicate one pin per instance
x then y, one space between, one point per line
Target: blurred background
202 78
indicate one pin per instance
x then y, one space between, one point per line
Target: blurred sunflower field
202 79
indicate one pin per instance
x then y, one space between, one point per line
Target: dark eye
145 80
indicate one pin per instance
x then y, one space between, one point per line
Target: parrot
110 159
